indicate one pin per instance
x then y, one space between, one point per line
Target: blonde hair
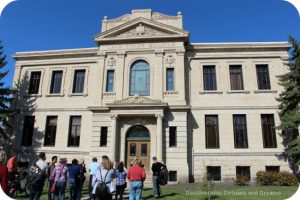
106 164
3 156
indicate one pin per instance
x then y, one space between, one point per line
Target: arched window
140 78
138 132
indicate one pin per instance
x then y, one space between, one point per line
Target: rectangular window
78 82
132 149
209 77
172 175
51 126
103 137
56 82
273 169
268 131
236 77
144 149
74 131
214 173
170 79
110 81
263 79
34 85
172 136
240 131
243 171
211 131
28 130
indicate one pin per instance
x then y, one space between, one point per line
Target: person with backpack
102 180
50 177
80 178
136 175
60 179
156 168
38 170
3 173
120 181
73 183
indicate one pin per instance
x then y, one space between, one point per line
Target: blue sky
30 25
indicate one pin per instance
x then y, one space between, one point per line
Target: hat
154 158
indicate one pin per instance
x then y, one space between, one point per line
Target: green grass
220 192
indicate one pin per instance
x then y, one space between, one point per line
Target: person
120 181
60 177
105 174
3 172
12 166
37 189
156 169
81 177
136 175
50 177
92 170
73 184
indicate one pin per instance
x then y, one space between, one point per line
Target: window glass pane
132 149
172 175
263 78
272 169
211 131
103 137
110 81
50 134
140 79
243 171
28 130
268 131
78 85
56 82
209 77
143 149
170 79
34 83
172 136
240 131
74 131
214 173
236 78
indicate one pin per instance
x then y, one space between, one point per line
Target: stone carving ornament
140 31
111 62
170 59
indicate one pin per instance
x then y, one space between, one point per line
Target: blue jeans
35 193
49 186
136 188
156 186
59 193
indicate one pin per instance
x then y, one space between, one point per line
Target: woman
3 172
105 174
121 181
81 177
60 173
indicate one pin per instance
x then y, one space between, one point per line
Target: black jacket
157 167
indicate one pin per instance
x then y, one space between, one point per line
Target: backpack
102 190
35 176
163 176
80 177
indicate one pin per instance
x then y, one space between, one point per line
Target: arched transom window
140 79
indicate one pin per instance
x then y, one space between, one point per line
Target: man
12 166
156 169
136 175
50 177
92 170
37 189
74 171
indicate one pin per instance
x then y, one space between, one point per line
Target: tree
5 99
289 106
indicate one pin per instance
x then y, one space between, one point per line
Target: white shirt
42 165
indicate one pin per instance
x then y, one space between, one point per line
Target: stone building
146 91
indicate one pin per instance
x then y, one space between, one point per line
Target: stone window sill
211 92
77 94
265 91
238 91
55 95
32 95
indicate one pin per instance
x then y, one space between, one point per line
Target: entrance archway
138 145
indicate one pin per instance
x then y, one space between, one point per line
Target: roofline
283 44
60 52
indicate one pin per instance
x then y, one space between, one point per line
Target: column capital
114 117
121 54
159 116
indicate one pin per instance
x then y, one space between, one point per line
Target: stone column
159 138
113 137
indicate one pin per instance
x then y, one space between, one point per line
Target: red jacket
3 178
136 173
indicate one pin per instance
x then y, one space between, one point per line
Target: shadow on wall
192 125
22 140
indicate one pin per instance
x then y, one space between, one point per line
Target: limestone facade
160 41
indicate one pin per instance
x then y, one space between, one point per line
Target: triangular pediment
141 28
134 101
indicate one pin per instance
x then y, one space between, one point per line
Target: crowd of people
107 179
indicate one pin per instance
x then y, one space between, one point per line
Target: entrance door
138 145
140 149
